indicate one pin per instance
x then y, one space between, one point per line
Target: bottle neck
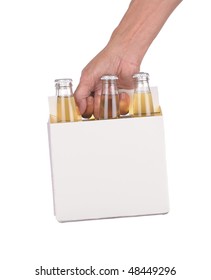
109 87
141 86
63 87
64 91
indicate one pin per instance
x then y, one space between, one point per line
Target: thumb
81 93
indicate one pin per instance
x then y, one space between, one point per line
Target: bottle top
109 77
63 83
143 76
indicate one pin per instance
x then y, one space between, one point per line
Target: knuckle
85 74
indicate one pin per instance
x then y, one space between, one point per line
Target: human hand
110 60
123 54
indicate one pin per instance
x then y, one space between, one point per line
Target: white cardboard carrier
108 168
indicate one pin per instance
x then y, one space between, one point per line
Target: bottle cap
141 76
109 77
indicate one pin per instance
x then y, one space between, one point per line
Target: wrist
127 47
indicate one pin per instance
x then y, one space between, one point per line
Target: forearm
140 25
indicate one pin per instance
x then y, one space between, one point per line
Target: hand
109 61
123 54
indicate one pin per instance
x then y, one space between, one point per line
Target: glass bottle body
142 98
109 103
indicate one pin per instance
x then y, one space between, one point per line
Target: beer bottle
109 103
142 98
66 106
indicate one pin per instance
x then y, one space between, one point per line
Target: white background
44 40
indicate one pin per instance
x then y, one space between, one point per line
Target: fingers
80 97
81 94
97 104
89 108
124 103
89 105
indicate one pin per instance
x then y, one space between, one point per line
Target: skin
124 52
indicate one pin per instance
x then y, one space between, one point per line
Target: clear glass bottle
109 102
67 110
142 98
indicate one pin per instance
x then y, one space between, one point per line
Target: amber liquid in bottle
142 104
109 106
142 98
66 109
109 101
